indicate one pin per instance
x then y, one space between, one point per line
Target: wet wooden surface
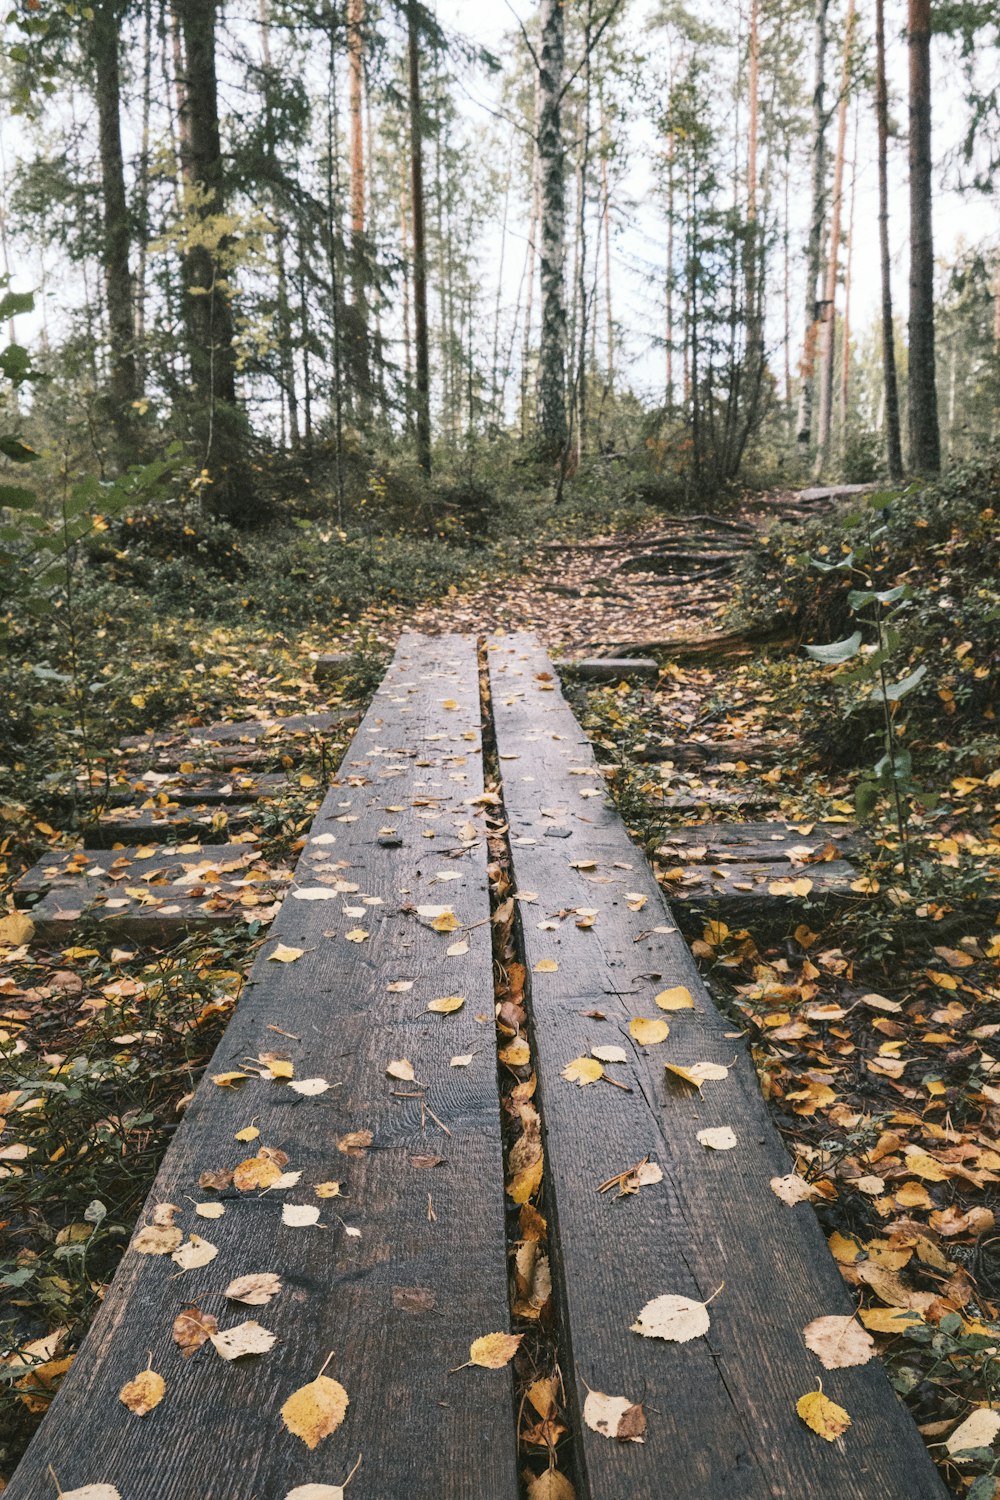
408 1265
720 1408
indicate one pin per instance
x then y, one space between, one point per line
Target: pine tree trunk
404 241
422 352
551 153
753 261
925 441
359 247
220 425
814 246
669 289
828 315
117 238
890 384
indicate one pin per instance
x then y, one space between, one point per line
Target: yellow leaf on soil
516 1054
889 1319
648 1032
494 1350
315 1410
524 1184
16 929
143 1393
677 998
822 1415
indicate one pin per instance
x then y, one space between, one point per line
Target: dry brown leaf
401 1068
91 1492
309 1087
614 1417
550 1486
677 1319
299 1215
718 1138
609 1054
822 1415
143 1393
256 1172
838 1342
315 1410
255 1290
979 1430
194 1252
792 1189
245 1338
354 1142
285 955
192 1327
157 1239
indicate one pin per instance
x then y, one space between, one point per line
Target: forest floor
872 1018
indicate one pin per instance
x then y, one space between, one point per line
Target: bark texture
551 156
893 441
422 392
925 441
814 246
117 237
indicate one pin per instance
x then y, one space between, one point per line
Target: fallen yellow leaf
677 998
315 1410
143 1393
822 1415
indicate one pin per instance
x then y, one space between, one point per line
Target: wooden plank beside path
408 1265
720 1408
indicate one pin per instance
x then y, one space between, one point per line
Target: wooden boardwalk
398 1106
408 1265
721 1408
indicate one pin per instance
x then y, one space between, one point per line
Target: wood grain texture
414 766
721 1409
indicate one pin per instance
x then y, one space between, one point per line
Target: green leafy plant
876 669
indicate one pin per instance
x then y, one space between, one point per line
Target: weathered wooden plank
721 1408
147 896
160 824
400 1301
246 731
198 787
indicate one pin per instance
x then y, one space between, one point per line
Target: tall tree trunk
142 186
845 334
890 384
117 237
404 241
551 154
219 424
423 376
925 439
669 289
814 246
828 315
359 247
531 256
283 313
580 383
753 262
786 301
334 240
496 415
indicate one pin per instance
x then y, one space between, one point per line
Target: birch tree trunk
925 440
531 256
828 315
814 244
890 385
551 155
422 393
